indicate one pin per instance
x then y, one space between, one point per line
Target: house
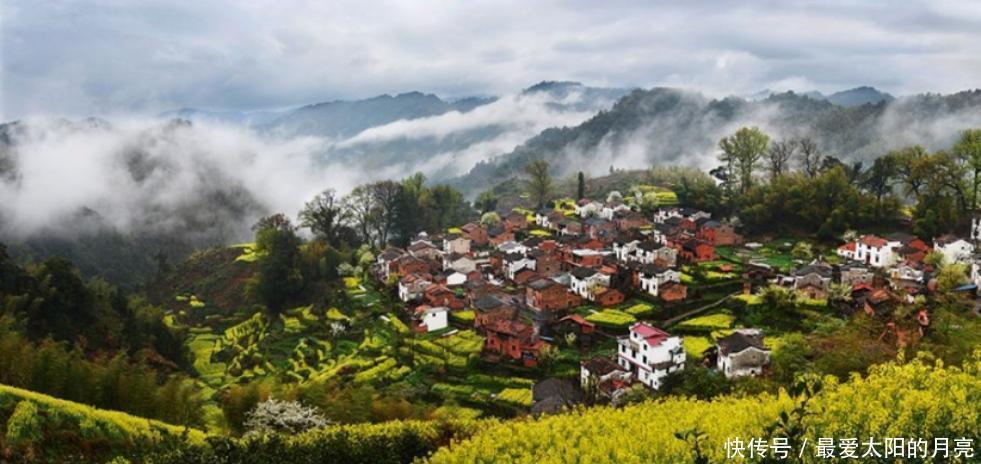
584 280
515 221
423 249
852 274
673 291
430 319
587 208
585 257
651 277
606 296
955 249
547 294
515 340
629 220
813 280
548 218
595 227
515 262
718 233
906 276
411 286
456 244
650 354
460 263
409 264
694 250
611 208
910 248
575 324
489 308
847 250
477 234
452 278
742 353
547 264
440 295
552 396
603 376
566 226
874 251
499 234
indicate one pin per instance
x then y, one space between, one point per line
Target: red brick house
718 233
608 296
516 221
499 234
489 309
515 340
673 291
628 220
695 250
547 294
477 234
409 264
438 295
546 264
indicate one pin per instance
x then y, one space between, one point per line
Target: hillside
42 428
671 126
912 400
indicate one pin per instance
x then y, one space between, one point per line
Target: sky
111 57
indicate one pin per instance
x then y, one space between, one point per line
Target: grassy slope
64 428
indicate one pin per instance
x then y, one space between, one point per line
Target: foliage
895 400
611 318
539 184
707 323
518 396
276 416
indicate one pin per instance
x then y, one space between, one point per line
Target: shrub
611 318
275 416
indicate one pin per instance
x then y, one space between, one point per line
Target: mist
205 181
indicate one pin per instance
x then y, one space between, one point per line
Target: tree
951 276
278 247
539 183
968 149
290 417
490 219
359 206
580 186
324 216
486 201
810 157
779 155
742 151
911 167
386 195
878 180
935 259
802 250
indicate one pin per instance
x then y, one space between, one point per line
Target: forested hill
671 126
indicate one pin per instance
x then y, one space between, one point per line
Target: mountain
672 126
860 96
245 118
395 136
341 119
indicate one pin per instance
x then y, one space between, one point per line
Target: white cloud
105 57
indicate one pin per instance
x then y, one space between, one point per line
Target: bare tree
810 157
779 155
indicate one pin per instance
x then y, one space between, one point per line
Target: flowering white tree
275 416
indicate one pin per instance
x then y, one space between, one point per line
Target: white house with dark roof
652 277
650 354
583 279
742 353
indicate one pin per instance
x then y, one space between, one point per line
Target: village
585 272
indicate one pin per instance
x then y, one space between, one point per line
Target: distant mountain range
670 126
858 96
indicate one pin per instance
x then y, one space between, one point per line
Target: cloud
140 176
106 57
